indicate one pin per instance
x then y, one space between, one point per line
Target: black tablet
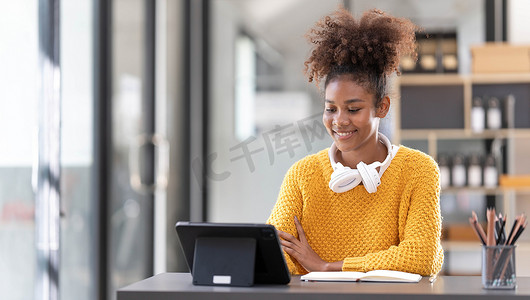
233 254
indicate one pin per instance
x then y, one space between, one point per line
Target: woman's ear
383 108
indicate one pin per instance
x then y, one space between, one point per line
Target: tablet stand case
224 261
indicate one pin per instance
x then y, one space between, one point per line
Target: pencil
504 257
479 228
515 229
502 234
497 227
511 230
490 235
516 236
475 227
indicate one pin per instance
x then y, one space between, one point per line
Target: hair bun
372 45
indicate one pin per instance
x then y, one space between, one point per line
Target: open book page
332 276
390 276
376 275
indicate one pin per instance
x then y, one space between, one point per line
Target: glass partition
78 277
18 109
19 50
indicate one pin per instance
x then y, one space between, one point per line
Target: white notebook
376 275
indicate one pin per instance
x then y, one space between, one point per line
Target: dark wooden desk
178 286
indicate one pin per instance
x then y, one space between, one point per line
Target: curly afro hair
368 50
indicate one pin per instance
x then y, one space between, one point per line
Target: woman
363 204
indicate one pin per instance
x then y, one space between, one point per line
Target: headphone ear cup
369 176
344 179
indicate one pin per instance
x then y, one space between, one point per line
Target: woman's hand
301 251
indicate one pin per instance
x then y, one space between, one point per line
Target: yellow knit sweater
396 228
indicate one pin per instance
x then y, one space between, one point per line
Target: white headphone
344 178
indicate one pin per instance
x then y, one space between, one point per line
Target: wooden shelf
477 190
462 246
475 245
486 191
500 78
432 91
456 134
431 79
456 79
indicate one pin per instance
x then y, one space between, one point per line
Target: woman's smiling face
350 116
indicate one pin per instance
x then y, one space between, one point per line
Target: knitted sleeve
288 205
419 250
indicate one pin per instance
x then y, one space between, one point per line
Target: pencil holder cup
498 267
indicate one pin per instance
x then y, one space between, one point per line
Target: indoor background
121 117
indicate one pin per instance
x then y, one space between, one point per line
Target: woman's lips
344 134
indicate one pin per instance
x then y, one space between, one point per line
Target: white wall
244 195
518 27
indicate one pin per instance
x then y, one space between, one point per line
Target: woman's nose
341 119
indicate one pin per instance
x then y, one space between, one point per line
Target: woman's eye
354 109
329 109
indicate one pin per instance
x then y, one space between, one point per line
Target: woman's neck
370 152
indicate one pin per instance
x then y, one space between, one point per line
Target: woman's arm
419 250
288 205
301 251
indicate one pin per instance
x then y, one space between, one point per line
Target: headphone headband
344 178
384 165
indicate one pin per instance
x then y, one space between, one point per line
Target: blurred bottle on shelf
448 47
474 171
478 116
445 170
494 115
458 171
491 176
